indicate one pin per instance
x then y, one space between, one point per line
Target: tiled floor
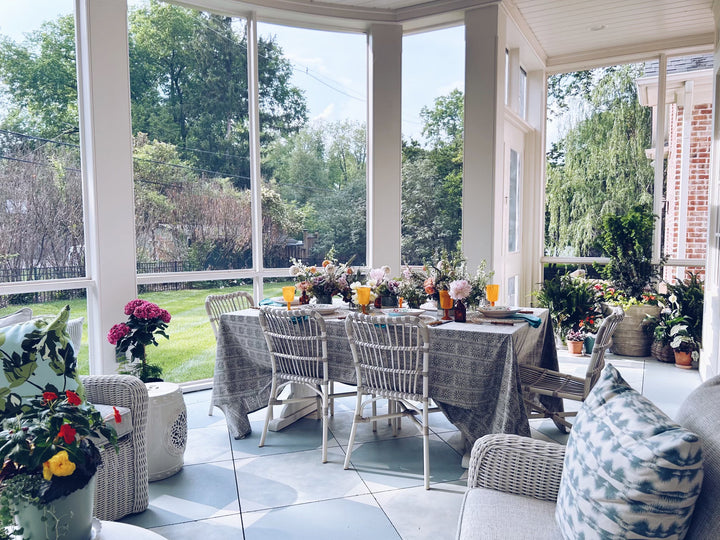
233 489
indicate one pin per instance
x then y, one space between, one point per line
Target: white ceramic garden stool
166 430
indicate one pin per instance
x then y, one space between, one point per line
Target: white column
106 149
384 145
659 183
484 113
255 179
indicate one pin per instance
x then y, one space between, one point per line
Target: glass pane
313 154
523 93
512 288
189 353
599 154
41 212
49 303
513 202
433 108
188 78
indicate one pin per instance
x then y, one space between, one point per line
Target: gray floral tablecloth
473 370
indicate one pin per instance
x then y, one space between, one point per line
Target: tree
599 167
432 182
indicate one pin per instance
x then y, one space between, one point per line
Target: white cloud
326 114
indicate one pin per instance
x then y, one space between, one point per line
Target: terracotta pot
683 359
575 347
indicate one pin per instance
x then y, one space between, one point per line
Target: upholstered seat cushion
491 514
37 356
125 426
629 471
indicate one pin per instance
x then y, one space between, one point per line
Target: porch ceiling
564 33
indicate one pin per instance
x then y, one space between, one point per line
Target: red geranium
73 398
67 432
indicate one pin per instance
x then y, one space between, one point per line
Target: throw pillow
629 471
37 357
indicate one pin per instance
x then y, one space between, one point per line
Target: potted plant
575 340
49 463
570 301
627 240
145 321
684 345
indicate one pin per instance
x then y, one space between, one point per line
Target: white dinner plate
280 300
397 312
497 312
323 309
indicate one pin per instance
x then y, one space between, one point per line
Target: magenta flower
117 332
132 304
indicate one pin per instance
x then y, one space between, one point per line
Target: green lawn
189 354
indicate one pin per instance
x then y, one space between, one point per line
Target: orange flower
325 263
73 398
312 269
118 418
67 432
429 286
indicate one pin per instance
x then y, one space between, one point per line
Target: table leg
292 412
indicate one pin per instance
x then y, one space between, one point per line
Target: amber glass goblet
289 294
446 303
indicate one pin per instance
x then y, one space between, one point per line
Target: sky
329 66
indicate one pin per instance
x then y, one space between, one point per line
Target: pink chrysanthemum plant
145 321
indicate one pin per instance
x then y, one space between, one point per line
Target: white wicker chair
391 356
297 341
546 382
122 479
217 304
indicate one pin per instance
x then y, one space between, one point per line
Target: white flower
672 299
330 269
294 270
385 269
460 289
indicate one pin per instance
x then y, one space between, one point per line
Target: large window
433 105
313 168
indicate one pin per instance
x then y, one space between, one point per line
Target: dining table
473 374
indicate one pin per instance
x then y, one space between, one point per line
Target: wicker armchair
122 480
513 483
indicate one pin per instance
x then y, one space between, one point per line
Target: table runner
473 370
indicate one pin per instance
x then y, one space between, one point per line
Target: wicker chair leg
353 430
269 413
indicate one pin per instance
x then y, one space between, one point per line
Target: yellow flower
58 465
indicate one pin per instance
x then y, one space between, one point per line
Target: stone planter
630 338
66 518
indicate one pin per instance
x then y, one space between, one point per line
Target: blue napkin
270 302
531 319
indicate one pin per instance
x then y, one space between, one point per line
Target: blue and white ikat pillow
629 471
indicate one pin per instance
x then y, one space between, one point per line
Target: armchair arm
518 465
119 390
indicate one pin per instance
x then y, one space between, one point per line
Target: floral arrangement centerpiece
411 287
459 290
450 267
46 454
385 288
145 321
325 281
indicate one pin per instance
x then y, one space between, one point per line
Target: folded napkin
271 302
531 319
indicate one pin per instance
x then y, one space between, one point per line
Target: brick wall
698 188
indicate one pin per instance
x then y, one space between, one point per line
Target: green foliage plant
571 300
688 296
627 240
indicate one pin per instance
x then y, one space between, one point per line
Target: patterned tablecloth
473 370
